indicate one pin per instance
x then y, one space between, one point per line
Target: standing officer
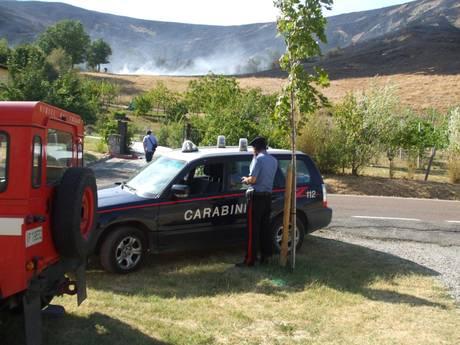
259 197
150 145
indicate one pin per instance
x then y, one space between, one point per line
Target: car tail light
323 186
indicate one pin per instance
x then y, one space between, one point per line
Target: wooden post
428 170
294 181
286 218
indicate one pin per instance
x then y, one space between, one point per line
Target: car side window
205 178
303 174
238 169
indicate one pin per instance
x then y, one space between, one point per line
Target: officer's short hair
259 143
149 132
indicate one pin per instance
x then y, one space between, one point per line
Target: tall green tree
358 133
302 25
99 52
69 35
4 51
29 75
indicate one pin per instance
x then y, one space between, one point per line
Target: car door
201 218
237 167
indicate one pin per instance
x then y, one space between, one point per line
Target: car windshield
153 179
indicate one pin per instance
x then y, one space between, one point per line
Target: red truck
48 205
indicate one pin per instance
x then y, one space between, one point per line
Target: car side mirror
180 191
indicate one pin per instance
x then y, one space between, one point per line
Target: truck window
59 154
37 162
4 151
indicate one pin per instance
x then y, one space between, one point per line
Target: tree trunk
391 171
428 170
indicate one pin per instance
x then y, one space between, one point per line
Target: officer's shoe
244 264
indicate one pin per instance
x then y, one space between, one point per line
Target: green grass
95 144
339 294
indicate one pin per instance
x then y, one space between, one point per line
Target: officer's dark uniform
263 168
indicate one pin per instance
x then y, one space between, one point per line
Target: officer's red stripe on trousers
250 259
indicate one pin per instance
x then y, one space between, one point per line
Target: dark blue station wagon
194 198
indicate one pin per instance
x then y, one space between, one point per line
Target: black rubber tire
67 213
277 224
110 249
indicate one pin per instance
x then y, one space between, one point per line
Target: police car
194 198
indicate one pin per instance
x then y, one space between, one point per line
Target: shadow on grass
97 329
338 265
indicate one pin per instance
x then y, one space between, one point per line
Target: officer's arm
252 178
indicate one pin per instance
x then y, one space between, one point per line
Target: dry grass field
421 91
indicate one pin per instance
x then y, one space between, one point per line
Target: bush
322 141
171 135
142 104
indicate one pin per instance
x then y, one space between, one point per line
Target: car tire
277 230
74 213
123 250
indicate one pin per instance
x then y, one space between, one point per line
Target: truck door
38 238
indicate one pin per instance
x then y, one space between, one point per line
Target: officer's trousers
258 227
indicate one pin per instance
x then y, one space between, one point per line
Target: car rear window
4 155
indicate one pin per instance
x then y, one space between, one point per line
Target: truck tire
277 231
74 213
123 250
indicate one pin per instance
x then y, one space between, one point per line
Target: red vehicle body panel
23 206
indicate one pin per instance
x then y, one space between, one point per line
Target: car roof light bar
189 146
221 142
243 144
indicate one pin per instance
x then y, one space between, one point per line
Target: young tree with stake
301 23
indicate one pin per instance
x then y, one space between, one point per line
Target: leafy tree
29 73
302 25
71 93
99 52
359 133
69 35
142 104
382 110
162 98
59 61
211 93
4 51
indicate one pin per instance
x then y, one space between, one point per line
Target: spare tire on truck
74 213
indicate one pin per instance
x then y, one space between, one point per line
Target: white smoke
227 64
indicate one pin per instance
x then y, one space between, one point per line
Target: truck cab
47 206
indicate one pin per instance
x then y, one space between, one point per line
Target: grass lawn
339 294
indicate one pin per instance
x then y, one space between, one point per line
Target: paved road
419 220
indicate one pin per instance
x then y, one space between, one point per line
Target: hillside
424 33
417 48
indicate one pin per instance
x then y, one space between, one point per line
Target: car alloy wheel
279 237
128 253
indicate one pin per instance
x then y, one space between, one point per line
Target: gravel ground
443 259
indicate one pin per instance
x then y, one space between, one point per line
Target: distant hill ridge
147 47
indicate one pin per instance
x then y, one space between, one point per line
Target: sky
213 12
